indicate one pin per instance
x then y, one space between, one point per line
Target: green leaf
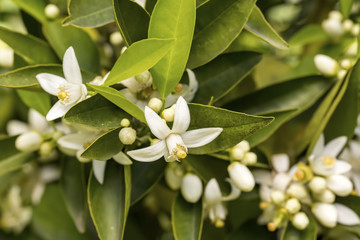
36 100
132 20
73 186
187 219
138 58
61 38
351 201
295 94
309 34
104 147
32 49
236 126
34 7
199 3
144 176
97 112
309 233
180 26
247 41
258 26
120 100
252 230
89 13
26 77
7 105
222 74
344 118
51 220
345 7
109 203
218 23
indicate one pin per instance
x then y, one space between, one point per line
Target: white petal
241 176
74 141
50 82
326 213
340 167
16 127
234 194
334 147
355 148
346 215
99 170
340 185
262 177
193 86
319 146
157 125
122 158
57 111
37 121
191 188
132 85
212 194
200 137
182 116
150 153
281 181
280 162
356 180
71 67
265 193
173 141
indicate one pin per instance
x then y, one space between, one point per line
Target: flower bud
143 77
212 193
127 135
244 145
116 39
300 221
123 50
237 153
340 185
297 190
155 104
46 148
125 122
191 188
172 177
333 27
326 65
317 184
28 142
277 197
241 176
168 114
326 214
52 11
335 15
325 196
6 57
292 205
346 64
341 74
355 30
348 25
250 158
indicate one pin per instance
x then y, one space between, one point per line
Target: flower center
63 94
328 161
69 93
179 152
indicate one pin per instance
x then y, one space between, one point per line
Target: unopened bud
52 11
271 226
333 27
340 185
28 142
6 57
326 214
237 153
317 184
326 65
250 158
123 50
297 190
155 104
300 221
46 148
172 178
191 188
168 114
346 64
355 30
277 197
127 135
143 77
348 25
116 39
292 205
125 122
244 145
241 176
325 196
335 15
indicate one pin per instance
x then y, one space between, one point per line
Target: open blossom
174 143
69 90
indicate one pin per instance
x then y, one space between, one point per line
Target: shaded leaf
345 7
34 7
252 230
309 34
309 233
36 100
247 41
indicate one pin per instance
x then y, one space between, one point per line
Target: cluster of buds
330 67
127 134
335 26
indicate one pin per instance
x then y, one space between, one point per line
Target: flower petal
150 153
281 181
193 86
50 82
16 127
99 170
71 67
200 137
334 147
122 158
157 125
182 116
262 177
319 146
234 194
280 162
212 194
57 111
74 141
346 215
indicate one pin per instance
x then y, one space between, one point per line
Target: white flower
326 65
174 143
213 201
69 90
191 188
323 158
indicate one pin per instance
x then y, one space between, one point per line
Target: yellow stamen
181 154
62 95
178 88
271 226
263 205
219 223
299 175
328 161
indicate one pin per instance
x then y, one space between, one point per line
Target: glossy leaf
73 187
120 100
7 102
144 176
187 219
26 77
309 34
258 26
247 41
222 74
109 203
97 112
218 23
132 20
34 7
252 230
91 13
309 233
36 100
172 19
345 7
32 49
104 147
236 126
138 58
61 38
